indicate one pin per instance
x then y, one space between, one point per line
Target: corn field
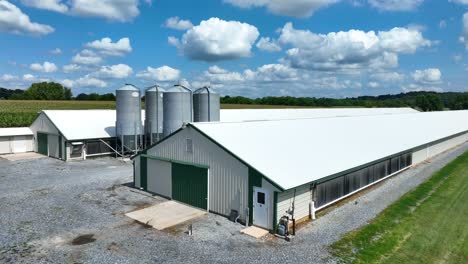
22 113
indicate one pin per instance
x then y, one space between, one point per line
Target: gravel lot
46 205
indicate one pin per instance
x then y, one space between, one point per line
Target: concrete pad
166 214
22 156
255 231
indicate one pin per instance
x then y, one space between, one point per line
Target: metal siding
228 176
137 171
190 185
21 144
159 177
5 145
419 156
432 150
54 145
446 145
301 202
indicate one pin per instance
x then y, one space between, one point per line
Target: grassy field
427 225
22 113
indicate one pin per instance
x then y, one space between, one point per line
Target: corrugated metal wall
136 171
434 149
159 177
228 176
16 144
301 202
43 124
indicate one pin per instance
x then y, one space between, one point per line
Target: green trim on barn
144 172
255 180
174 161
60 147
275 211
42 144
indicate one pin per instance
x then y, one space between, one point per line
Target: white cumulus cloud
8 77
13 20
105 46
87 57
86 81
118 71
44 67
121 10
177 23
395 5
216 39
163 74
52 5
71 68
268 44
295 8
349 50
430 75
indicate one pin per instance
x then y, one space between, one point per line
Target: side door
261 205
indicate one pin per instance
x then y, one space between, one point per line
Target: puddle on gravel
83 239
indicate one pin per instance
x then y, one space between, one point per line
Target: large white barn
80 134
263 169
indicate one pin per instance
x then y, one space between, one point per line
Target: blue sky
318 48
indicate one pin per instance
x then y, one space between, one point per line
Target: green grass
15 113
427 225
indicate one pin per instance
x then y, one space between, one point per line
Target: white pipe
351 193
312 210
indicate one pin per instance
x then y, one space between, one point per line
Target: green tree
47 91
429 102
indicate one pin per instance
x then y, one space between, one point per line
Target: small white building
16 140
74 134
264 169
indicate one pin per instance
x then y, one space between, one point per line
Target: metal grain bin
177 104
153 114
129 129
206 105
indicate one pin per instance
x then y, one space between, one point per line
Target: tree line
426 101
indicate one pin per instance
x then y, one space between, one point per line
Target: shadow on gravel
83 239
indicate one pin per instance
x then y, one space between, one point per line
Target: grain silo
153 114
178 109
129 129
206 105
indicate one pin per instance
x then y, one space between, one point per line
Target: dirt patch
83 239
144 225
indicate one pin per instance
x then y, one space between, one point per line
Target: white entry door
260 207
20 144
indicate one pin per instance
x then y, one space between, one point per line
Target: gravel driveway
57 212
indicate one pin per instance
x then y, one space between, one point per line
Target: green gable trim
255 180
275 211
144 155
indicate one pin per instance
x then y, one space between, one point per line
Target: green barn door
190 185
42 144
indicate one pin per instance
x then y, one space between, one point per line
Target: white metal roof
90 124
15 131
237 115
84 124
295 152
